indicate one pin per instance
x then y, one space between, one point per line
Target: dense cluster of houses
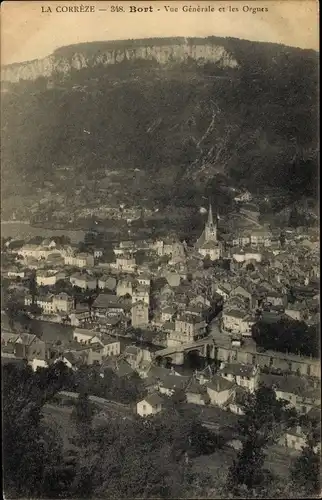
174 296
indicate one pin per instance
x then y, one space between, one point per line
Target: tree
28 444
287 335
32 285
261 424
84 411
305 472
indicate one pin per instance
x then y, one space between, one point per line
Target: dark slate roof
105 300
154 399
237 369
219 384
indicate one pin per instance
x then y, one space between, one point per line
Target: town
214 320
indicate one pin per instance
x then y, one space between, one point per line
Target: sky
27 33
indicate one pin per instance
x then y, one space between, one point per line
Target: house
125 263
47 278
141 293
244 196
110 346
239 322
63 303
106 281
84 336
80 315
98 252
83 280
28 346
245 255
197 393
223 289
244 375
295 311
45 302
124 287
211 250
236 405
144 279
70 360
151 405
14 272
167 314
119 366
276 299
169 384
140 314
80 260
294 438
133 355
107 304
220 390
299 392
260 237
187 329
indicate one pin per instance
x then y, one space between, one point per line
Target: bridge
205 347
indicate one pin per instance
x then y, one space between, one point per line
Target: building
151 405
110 346
259 237
26 346
188 328
80 260
63 303
106 282
83 281
144 279
45 302
140 314
299 392
125 263
167 314
197 394
49 278
124 287
107 304
245 196
245 376
220 390
210 231
246 255
84 336
211 250
237 322
141 294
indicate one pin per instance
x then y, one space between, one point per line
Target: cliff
169 115
167 51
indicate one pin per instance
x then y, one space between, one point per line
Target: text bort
140 9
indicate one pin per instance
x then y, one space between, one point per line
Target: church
208 245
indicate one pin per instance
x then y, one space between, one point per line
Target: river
23 230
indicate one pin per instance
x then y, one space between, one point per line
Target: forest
255 124
139 458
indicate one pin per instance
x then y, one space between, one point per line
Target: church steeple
210 218
210 227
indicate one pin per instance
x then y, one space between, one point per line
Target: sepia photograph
160 250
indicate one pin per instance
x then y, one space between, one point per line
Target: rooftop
154 399
238 369
219 384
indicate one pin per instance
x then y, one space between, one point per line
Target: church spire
210 218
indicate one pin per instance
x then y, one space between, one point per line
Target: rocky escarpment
167 52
